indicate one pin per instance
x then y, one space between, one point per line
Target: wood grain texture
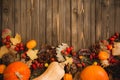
79 23
74 14
8 14
0 21
98 20
49 21
55 22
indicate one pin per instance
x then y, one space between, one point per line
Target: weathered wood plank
49 22
86 23
80 23
67 26
92 22
62 22
42 23
55 22
98 21
111 17
28 20
17 16
74 24
8 14
35 21
0 21
117 15
105 19
23 20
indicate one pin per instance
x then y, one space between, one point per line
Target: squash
68 76
103 55
94 72
17 71
31 44
55 71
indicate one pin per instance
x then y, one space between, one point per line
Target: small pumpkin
17 71
103 55
2 68
94 72
68 76
31 44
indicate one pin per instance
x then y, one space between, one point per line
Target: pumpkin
17 71
55 71
2 68
93 72
68 76
103 55
31 44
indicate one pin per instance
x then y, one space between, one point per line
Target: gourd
94 72
68 76
55 71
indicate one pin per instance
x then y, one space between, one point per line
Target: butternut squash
55 71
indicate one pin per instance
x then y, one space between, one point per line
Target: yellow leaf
16 40
32 54
3 50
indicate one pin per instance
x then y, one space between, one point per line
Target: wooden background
79 23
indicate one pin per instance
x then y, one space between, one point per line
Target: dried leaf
16 40
32 54
58 51
3 50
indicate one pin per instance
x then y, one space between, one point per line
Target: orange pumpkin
94 72
103 55
31 44
68 76
17 71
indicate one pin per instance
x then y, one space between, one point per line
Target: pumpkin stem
18 75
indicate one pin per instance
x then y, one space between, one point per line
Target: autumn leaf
32 54
16 40
3 50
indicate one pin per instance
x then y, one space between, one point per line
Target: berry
8 38
22 48
112 39
34 66
23 55
16 48
8 46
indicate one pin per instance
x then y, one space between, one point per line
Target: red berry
17 45
74 54
109 47
34 66
91 57
68 50
23 55
3 41
8 38
79 65
52 59
83 64
7 43
16 48
8 46
112 39
21 48
116 34
66 53
21 44
63 51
